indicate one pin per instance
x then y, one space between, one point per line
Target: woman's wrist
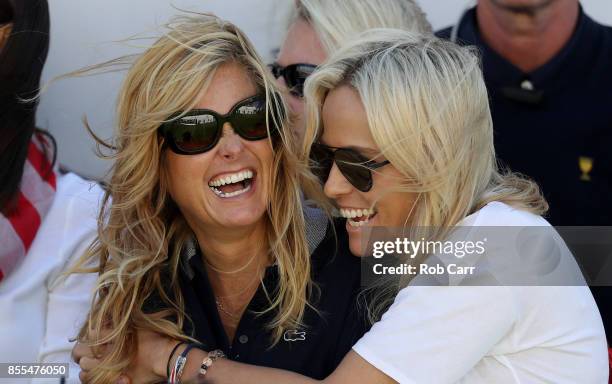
188 361
169 353
172 356
191 369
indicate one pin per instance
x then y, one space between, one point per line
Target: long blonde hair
338 21
141 232
428 112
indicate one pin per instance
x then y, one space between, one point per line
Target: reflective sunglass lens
322 161
195 133
350 164
250 120
276 70
200 129
296 77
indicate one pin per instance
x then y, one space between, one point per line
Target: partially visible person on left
47 219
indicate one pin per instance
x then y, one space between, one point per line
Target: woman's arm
151 362
429 334
353 369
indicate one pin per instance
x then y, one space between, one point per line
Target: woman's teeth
225 186
363 216
231 179
222 194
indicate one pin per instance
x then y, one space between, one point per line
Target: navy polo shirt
554 125
315 350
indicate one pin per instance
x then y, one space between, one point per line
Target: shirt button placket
527 85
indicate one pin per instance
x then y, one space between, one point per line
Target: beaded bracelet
209 360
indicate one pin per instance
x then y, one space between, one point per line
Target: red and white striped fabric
19 227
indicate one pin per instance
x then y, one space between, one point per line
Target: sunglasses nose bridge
230 142
280 80
336 184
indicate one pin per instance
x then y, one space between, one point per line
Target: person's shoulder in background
603 38
69 228
75 191
444 33
65 232
47 307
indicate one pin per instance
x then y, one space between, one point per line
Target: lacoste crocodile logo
293 335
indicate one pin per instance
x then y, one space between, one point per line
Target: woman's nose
336 184
230 144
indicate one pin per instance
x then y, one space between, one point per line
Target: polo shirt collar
574 56
189 250
195 265
191 260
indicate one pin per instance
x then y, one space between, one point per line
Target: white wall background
89 32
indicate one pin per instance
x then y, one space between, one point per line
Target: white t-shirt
490 334
39 309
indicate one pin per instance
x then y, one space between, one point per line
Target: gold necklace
222 308
228 313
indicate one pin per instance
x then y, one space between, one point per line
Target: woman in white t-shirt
417 109
400 130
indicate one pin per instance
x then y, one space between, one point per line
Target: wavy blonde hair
428 112
338 21
141 232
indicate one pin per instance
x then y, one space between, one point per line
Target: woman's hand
148 366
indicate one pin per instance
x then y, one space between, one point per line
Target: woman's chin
238 215
356 245
242 221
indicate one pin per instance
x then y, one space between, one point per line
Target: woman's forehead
230 84
301 45
344 120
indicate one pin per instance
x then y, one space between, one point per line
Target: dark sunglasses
355 167
294 75
199 130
